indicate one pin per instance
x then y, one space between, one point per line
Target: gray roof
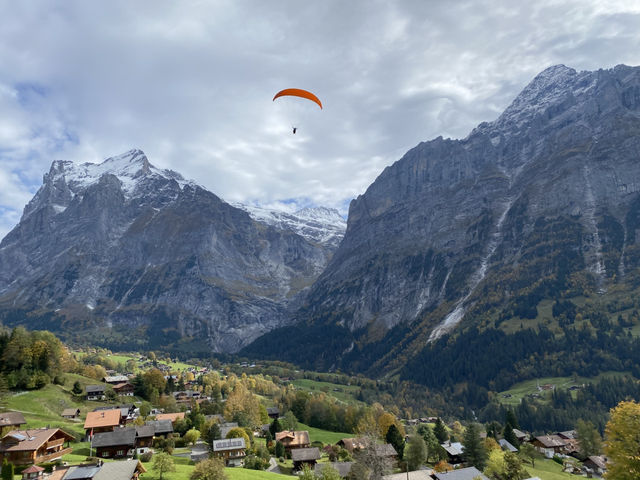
120 436
305 454
507 446
469 473
116 379
414 475
81 472
225 428
121 470
160 427
94 388
145 431
455 448
385 450
228 444
343 468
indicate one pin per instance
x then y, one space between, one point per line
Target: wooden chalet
454 451
123 442
351 444
95 392
124 389
596 464
11 421
70 413
226 427
550 445
386 450
304 456
231 450
101 421
273 412
29 447
292 440
115 379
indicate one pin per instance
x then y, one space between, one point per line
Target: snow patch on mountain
128 167
318 224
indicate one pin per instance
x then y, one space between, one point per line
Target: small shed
70 413
305 456
32 472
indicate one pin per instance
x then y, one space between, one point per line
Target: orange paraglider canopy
297 92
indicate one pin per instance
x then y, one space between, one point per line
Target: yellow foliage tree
622 444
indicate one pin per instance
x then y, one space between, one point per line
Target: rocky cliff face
539 203
125 254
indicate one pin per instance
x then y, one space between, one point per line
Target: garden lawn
548 470
246 474
324 436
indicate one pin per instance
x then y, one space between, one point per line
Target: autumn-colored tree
443 466
529 451
192 436
210 469
622 443
239 432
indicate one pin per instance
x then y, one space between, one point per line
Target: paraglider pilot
294 130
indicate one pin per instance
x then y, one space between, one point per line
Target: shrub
146 457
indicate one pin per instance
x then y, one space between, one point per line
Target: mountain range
128 255
527 229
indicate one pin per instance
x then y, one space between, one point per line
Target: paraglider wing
297 92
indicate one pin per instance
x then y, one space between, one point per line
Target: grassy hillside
343 393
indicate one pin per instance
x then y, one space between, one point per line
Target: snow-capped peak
128 167
318 224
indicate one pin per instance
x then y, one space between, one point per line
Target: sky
191 84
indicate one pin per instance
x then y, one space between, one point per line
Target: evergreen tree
275 427
7 470
430 440
77 388
440 431
510 418
395 438
510 436
280 451
475 452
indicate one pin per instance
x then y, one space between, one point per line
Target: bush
146 457
180 442
557 459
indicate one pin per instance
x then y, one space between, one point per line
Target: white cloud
191 84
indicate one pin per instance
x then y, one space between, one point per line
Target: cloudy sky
191 84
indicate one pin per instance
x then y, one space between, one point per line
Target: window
120 452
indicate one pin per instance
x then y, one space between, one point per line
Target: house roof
33 469
11 419
273 410
160 427
145 431
67 412
120 436
120 386
519 433
598 460
568 434
505 445
305 454
415 475
170 416
228 444
116 379
81 472
455 448
551 441
102 418
352 443
122 470
29 440
94 388
343 468
385 450
293 438
225 428
469 473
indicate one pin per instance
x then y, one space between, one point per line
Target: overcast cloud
191 84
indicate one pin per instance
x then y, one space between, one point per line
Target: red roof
33 469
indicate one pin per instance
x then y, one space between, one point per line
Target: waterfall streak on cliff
593 254
455 316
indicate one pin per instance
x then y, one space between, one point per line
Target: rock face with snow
319 224
542 202
128 255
